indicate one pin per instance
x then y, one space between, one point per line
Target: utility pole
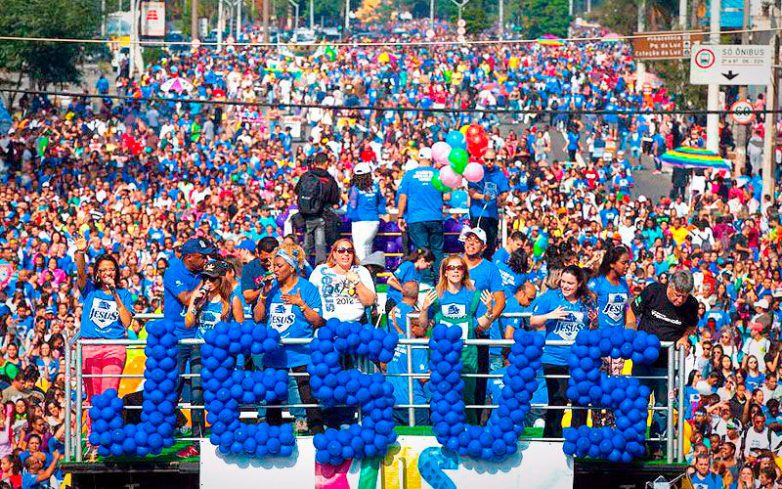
194 19
713 103
347 15
103 19
683 15
312 14
641 27
741 136
266 20
502 17
772 104
570 8
431 14
219 25
238 20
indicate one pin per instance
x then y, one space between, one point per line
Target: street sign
153 19
650 46
730 65
742 112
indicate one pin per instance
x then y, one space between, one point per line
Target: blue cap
199 245
247 244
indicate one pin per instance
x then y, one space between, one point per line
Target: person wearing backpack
456 302
316 194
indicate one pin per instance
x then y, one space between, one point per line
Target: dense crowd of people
168 203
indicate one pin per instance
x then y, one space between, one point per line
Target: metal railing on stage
74 386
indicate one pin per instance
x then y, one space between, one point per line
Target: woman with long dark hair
562 313
366 204
409 270
611 289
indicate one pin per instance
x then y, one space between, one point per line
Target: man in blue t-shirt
703 478
422 216
181 280
486 198
485 275
396 368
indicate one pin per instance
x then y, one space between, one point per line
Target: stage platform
411 465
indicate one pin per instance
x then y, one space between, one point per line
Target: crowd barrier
74 386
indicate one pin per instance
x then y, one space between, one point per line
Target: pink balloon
449 177
473 172
440 152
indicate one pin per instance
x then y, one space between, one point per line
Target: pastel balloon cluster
460 157
226 388
625 395
332 385
499 438
158 417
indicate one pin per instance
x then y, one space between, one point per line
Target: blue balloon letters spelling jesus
227 388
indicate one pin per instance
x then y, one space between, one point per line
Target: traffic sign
730 65
741 112
664 45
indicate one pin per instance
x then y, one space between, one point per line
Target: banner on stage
416 461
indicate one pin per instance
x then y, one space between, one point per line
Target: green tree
476 17
47 62
540 17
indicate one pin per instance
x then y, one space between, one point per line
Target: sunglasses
344 250
451 268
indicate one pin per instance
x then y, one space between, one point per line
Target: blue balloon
455 139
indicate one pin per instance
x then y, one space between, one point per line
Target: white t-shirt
758 348
340 299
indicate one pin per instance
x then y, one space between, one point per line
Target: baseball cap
425 154
763 303
362 169
246 244
199 245
477 232
731 425
214 269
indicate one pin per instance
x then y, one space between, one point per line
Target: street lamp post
460 5
312 14
295 6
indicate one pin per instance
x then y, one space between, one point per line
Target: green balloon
458 159
438 184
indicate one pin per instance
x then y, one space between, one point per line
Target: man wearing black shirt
671 313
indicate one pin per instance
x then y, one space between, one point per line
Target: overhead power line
619 37
624 111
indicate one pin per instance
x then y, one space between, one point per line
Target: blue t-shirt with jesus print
290 322
100 316
560 329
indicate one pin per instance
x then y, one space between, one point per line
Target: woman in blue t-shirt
407 271
610 288
456 302
106 314
562 313
366 204
292 306
214 302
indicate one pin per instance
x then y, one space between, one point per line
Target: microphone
204 291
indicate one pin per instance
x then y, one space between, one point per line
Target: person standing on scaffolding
486 197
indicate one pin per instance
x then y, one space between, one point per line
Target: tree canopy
47 62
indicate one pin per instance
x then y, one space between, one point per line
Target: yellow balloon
464 128
383 58
687 435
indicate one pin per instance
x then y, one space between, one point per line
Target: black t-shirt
657 315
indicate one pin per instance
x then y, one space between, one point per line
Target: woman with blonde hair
346 288
455 302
